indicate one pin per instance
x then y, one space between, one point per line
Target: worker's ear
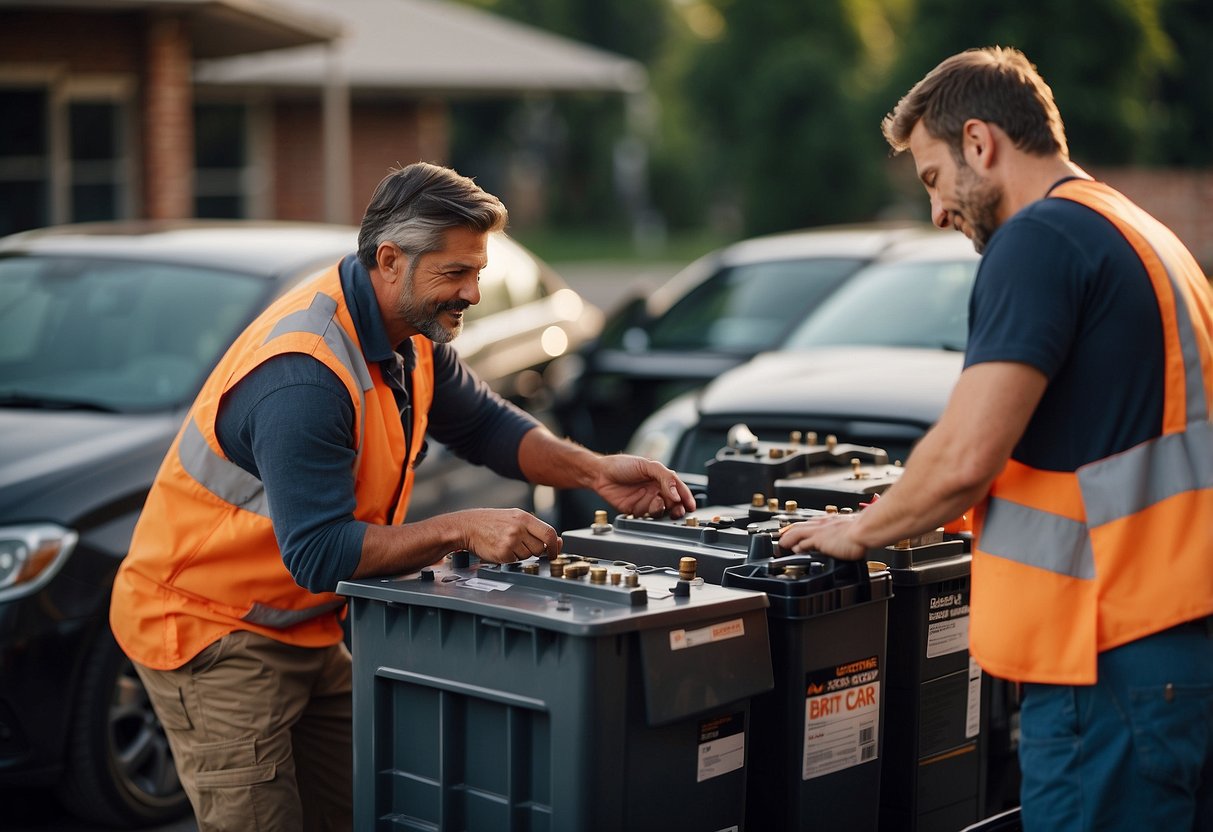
393 263
978 144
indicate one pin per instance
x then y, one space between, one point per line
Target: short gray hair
414 206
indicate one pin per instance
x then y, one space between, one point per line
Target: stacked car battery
932 763
553 695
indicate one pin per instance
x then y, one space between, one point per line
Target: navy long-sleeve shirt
290 423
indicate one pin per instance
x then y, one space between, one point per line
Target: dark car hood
906 384
60 466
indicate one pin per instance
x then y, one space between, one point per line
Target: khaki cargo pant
261 734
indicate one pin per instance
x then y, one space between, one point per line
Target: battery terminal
758 500
686 568
856 472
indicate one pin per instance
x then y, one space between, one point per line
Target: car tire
119 770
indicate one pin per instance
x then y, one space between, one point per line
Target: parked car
873 365
713 316
106 334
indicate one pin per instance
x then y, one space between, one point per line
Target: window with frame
64 152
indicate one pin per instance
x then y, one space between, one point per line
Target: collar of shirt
368 322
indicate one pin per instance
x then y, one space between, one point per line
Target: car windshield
114 335
748 308
901 304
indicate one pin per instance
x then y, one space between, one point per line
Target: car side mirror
626 326
635 339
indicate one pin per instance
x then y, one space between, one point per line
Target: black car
106 334
873 365
713 315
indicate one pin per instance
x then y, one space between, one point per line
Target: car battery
934 744
748 466
716 536
816 761
851 487
553 695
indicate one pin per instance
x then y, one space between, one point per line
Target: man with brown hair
1081 429
293 471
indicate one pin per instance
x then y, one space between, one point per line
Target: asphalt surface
604 284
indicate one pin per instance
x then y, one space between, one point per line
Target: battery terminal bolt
598 574
631 580
686 568
795 436
856 472
693 522
846 510
831 441
773 504
600 526
556 566
758 500
616 578
811 438
776 453
790 506
831 509
530 568
794 570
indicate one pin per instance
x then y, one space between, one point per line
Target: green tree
779 94
1107 61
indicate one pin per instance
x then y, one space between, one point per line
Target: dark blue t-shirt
290 423
1060 289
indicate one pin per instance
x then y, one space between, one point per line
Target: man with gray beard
293 472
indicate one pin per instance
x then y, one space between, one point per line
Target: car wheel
119 769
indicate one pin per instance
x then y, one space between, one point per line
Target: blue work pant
1133 751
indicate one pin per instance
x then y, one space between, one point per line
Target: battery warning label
841 716
947 624
682 639
721 746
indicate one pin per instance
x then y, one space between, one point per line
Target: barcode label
867 735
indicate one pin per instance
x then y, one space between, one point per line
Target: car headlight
31 555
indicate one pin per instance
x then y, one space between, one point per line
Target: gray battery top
527 593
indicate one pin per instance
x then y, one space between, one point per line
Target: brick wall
298 165
1181 199
103 43
382 135
168 121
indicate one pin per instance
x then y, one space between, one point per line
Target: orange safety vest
1069 564
204 561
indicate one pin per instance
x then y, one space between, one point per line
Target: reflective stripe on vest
1112 489
228 481
1073 570
281 619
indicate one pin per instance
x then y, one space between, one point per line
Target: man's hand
830 535
499 535
505 535
636 485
